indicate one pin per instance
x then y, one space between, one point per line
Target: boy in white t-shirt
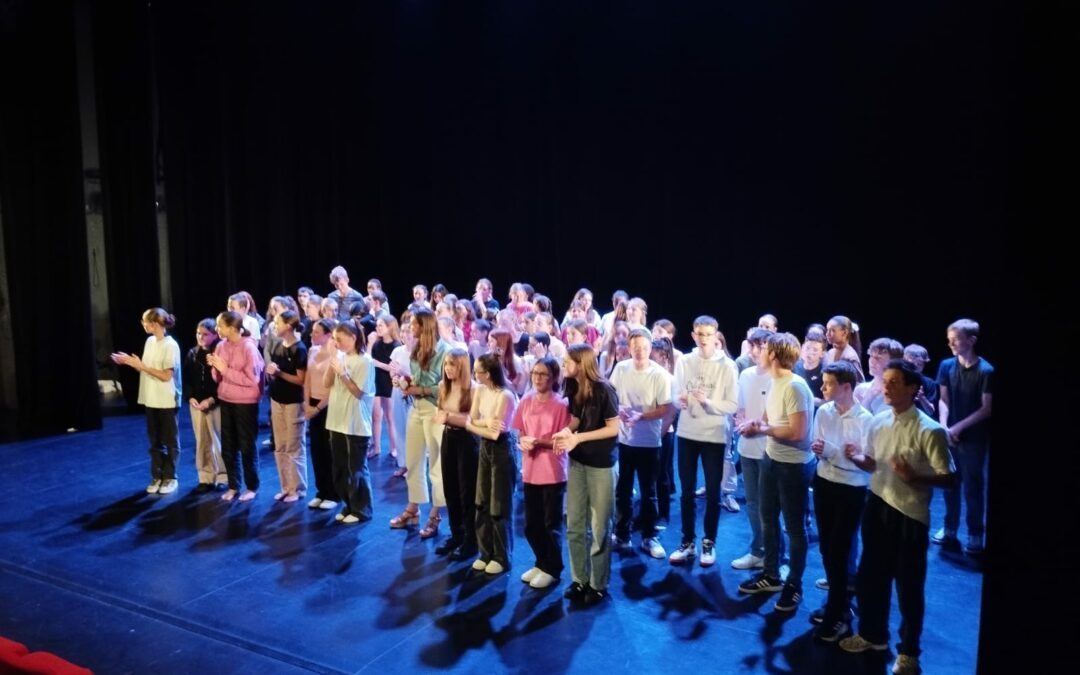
754 385
644 390
785 472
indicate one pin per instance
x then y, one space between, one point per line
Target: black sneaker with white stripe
789 600
832 633
761 583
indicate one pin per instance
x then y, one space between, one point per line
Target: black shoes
463 552
584 595
448 546
576 592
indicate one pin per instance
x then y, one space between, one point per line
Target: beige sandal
432 527
407 518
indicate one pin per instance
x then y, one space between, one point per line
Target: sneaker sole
786 608
760 590
870 648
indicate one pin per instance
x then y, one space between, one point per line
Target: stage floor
99 572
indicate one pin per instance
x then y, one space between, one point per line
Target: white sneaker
654 548
700 492
708 553
168 487
542 580
748 562
153 487
530 575
728 503
328 504
479 565
494 567
350 520
685 552
314 503
822 583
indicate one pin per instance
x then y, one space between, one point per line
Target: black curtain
123 62
41 194
658 147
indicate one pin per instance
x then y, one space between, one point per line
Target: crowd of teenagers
478 399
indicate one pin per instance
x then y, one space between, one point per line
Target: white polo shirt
921 442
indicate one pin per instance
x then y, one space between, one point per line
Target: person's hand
902 469
310 411
699 396
496 425
565 440
954 437
854 453
818 446
527 443
441 416
125 359
216 362
338 365
395 369
750 428
272 369
681 401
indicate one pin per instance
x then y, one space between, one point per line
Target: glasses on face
704 335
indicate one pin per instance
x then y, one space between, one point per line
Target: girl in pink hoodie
238 370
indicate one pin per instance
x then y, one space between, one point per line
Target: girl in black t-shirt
286 370
387 339
590 440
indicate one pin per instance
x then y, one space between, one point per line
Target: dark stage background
804 158
807 159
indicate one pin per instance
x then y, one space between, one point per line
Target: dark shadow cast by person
118 513
470 627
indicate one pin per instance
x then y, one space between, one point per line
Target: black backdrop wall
41 194
806 160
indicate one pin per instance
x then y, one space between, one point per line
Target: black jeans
352 480
494 500
544 524
894 547
665 477
460 462
712 464
164 446
322 463
239 426
839 509
644 462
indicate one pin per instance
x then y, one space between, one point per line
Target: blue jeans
590 501
970 458
751 473
785 489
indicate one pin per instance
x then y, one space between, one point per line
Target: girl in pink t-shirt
540 414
